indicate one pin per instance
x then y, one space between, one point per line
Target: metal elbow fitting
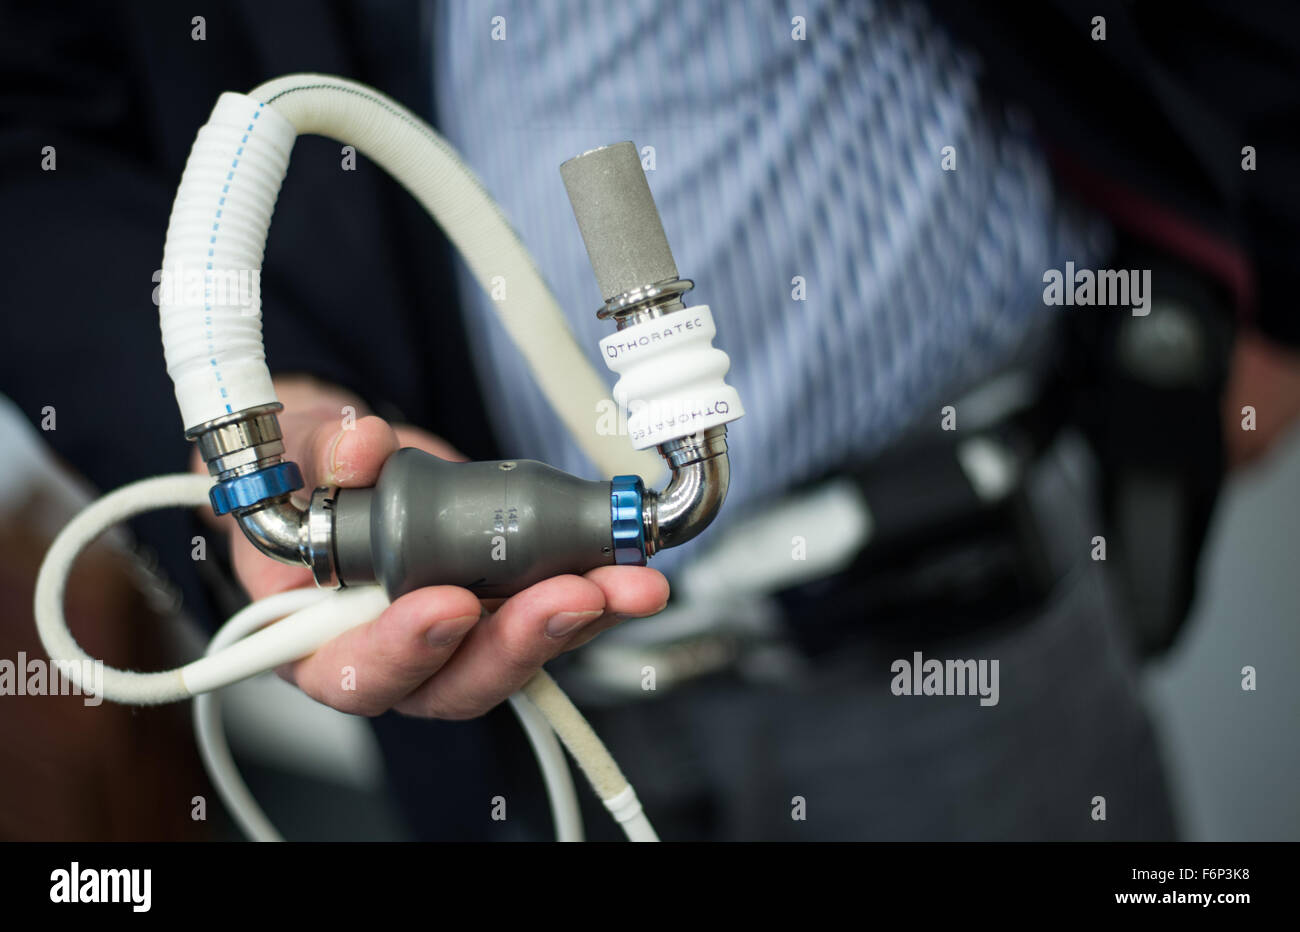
297 536
695 493
245 454
277 528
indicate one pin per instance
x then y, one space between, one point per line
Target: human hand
437 652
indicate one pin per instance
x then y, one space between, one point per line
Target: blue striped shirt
776 161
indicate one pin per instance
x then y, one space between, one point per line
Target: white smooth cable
244 647
239 800
296 636
220 763
128 501
599 766
431 170
560 792
214 749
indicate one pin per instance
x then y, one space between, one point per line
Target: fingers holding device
435 651
405 526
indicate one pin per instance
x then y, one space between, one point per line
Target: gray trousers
724 759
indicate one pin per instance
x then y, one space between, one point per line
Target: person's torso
870 236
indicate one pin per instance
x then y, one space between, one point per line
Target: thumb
337 450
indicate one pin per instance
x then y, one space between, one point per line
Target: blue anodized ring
255 487
625 497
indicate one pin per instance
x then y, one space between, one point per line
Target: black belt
943 559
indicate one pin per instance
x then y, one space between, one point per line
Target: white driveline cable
560 792
597 763
220 764
244 647
210 314
130 500
213 747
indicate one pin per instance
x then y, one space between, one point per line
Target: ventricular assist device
491 527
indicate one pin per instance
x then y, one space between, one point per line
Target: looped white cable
306 628
214 749
249 644
127 502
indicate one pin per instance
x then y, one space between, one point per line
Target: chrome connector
701 473
319 537
646 302
240 443
244 452
278 529
284 532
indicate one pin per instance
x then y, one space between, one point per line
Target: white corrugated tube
211 313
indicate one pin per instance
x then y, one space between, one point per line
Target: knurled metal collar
626 494
255 487
320 538
240 443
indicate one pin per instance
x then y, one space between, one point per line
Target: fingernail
338 471
565 623
623 616
450 630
